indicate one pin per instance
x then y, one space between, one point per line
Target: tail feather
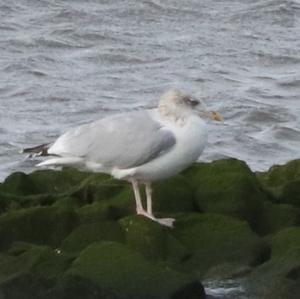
40 150
61 161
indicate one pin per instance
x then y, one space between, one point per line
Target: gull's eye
191 101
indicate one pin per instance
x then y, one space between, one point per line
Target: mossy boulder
73 287
58 181
285 240
42 181
40 225
28 271
279 277
20 183
92 188
97 211
228 187
84 238
215 239
86 234
279 216
173 195
283 182
291 193
9 202
119 205
153 241
68 187
98 187
113 266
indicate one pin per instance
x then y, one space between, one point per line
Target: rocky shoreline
70 234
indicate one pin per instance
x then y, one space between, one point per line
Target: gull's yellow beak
216 116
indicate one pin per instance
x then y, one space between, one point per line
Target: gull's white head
177 105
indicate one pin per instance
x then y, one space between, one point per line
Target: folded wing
123 141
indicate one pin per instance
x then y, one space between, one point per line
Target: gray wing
123 141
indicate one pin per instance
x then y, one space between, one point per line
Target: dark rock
97 211
123 203
283 182
279 216
42 181
228 187
20 183
113 266
291 193
117 206
173 195
40 225
27 271
10 201
193 290
85 234
285 240
97 247
153 241
215 239
279 278
98 187
145 236
74 287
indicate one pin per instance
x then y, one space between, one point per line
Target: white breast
191 138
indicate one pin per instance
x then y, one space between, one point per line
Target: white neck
173 115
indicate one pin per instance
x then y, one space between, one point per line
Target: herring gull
140 146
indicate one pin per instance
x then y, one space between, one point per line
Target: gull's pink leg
163 221
137 196
149 197
139 207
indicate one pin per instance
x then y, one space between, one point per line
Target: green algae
41 225
215 239
85 234
228 187
222 210
114 266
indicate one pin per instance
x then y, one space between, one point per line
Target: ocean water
64 63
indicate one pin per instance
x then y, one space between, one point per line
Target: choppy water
63 63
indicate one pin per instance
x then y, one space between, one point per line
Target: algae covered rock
279 277
20 183
85 234
28 271
153 241
42 181
98 187
284 240
82 237
173 195
228 187
73 287
113 266
145 236
283 182
278 216
40 225
215 239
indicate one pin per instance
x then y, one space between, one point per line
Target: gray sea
64 63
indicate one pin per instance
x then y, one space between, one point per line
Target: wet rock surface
70 234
